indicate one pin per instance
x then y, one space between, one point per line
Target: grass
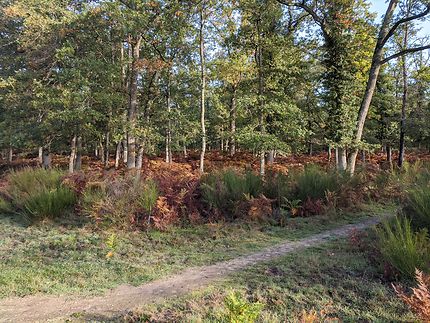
65 258
336 280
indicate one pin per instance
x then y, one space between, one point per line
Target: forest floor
127 297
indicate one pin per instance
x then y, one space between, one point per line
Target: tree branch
405 20
305 7
404 52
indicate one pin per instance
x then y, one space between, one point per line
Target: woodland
141 139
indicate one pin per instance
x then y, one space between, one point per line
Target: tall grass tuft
223 190
403 248
39 193
419 204
314 183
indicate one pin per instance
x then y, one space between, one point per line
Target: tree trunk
233 113
404 100
118 154
329 153
202 86
125 151
184 147
132 105
78 161
40 156
271 157
371 82
107 154
259 57
46 163
389 156
169 158
342 164
72 157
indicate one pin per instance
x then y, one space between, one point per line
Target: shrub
239 310
314 183
419 300
403 248
419 204
121 202
39 193
224 190
278 187
49 204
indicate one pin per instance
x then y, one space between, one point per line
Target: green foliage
278 186
147 195
403 248
239 310
50 204
222 190
40 193
314 183
419 203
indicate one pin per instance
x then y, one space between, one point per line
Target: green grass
64 258
336 278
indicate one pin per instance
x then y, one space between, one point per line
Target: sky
380 6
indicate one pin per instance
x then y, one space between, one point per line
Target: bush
121 202
419 205
239 310
223 190
403 248
277 186
50 204
313 183
39 193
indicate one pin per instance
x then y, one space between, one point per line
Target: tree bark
78 161
118 154
72 157
132 105
342 164
107 153
202 86
169 158
371 82
40 156
404 99
46 164
233 113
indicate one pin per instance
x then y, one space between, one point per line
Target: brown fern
419 300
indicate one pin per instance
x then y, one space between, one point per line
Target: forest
215 161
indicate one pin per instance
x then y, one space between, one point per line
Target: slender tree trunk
107 153
404 99
342 164
72 157
233 113
375 68
184 147
46 164
132 105
125 151
118 154
329 153
139 163
40 156
169 158
271 157
336 154
78 161
259 57
389 156
202 86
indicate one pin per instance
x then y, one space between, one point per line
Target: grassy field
73 258
334 282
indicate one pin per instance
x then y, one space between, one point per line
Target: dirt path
125 297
